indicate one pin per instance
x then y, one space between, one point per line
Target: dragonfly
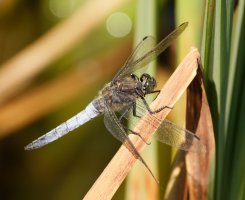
125 96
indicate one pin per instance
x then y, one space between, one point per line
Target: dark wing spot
145 37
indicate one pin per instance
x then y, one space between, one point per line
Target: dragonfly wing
82 117
115 127
169 133
145 45
146 51
173 135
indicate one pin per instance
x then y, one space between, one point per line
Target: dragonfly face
144 85
148 82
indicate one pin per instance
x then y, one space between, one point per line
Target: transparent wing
115 127
145 46
146 51
169 133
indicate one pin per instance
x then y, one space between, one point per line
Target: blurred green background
43 83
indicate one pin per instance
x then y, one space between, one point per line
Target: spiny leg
155 111
135 133
156 91
134 110
125 112
133 105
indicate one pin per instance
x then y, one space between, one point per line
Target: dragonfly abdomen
79 119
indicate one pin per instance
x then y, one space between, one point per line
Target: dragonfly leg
156 91
155 111
135 133
134 114
134 110
133 106
124 113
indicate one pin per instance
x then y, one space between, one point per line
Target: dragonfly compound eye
148 82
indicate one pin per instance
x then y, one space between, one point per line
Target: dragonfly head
148 83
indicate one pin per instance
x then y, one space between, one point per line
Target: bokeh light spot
119 24
61 8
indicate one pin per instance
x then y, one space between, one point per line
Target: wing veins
132 65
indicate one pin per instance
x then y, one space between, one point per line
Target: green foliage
223 57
